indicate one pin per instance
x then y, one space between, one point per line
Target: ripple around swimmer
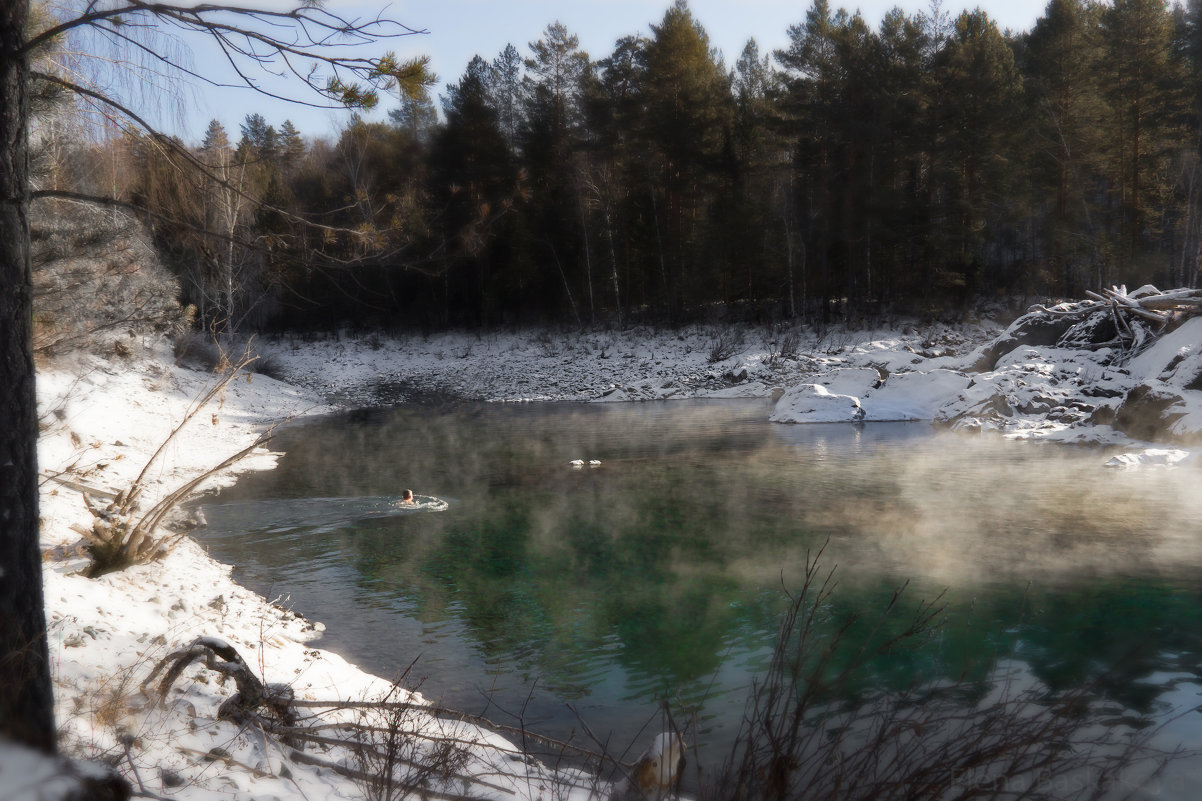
297 517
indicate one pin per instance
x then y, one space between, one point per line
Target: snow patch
913 396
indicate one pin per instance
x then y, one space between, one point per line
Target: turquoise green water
562 594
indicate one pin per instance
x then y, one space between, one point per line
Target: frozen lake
560 593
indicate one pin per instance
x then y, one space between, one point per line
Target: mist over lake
660 573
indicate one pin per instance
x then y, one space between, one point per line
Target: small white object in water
577 463
594 462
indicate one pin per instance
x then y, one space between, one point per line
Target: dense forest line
913 168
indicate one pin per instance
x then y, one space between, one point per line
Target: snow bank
629 365
102 419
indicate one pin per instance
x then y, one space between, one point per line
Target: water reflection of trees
669 560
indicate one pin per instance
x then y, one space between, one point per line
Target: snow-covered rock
814 403
1151 457
847 395
854 381
913 396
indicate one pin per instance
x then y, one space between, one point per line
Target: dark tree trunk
26 699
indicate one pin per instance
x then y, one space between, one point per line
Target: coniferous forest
915 167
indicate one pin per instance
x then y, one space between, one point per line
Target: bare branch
305 40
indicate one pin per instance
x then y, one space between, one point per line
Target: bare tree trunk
588 259
787 192
26 697
663 267
613 263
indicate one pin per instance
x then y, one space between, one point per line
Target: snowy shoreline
102 419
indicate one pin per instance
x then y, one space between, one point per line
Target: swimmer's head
407 496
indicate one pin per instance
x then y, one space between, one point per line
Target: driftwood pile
1146 305
1114 318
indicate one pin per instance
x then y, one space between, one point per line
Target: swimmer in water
407 498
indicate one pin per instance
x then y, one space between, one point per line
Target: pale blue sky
460 29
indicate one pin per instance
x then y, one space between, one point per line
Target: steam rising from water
659 573
985 509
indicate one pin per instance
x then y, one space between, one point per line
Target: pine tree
751 229
417 115
900 188
617 171
292 146
686 128
473 179
1062 61
505 93
1140 82
554 115
259 140
816 76
553 84
981 86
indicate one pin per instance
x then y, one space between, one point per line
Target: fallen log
1134 306
273 710
252 694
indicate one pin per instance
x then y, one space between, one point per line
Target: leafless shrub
196 350
210 352
725 344
121 535
790 345
1006 738
267 365
391 760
